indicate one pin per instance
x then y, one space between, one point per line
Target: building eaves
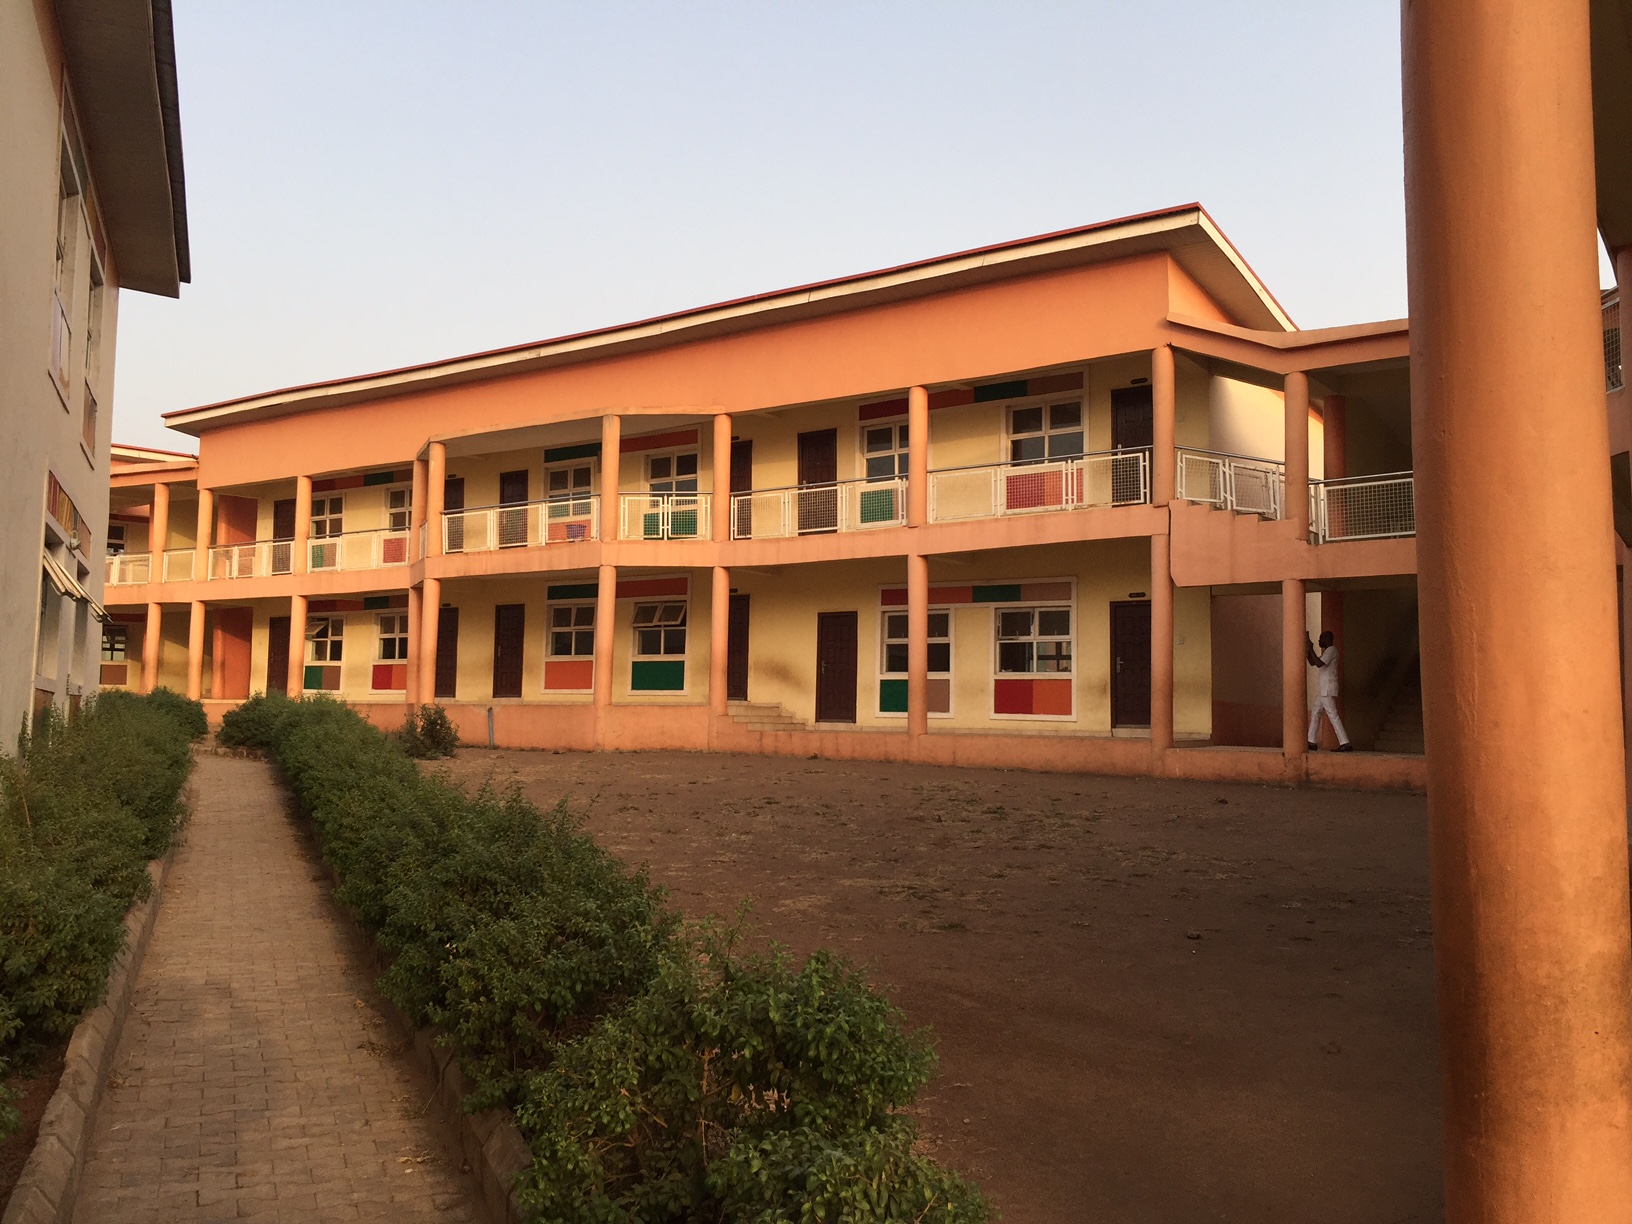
1186 232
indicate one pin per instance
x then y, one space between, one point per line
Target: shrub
657 1074
255 723
83 807
187 712
428 733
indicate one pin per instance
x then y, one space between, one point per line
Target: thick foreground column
1294 631
1526 803
917 645
1161 640
195 650
297 644
152 643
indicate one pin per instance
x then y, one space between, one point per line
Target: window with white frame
393 637
569 489
660 630
327 515
115 641
1045 431
1033 641
324 636
116 539
399 508
884 448
894 637
672 473
572 631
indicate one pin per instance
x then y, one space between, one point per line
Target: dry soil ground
1154 1001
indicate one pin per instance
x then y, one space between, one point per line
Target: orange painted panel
569 675
113 673
229 673
1051 697
235 520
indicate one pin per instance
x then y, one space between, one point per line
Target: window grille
1033 641
660 630
393 637
572 631
1612 345
895 644
115 640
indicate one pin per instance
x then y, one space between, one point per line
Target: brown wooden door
509 633
1133 428
512 523
277 655
818 466
283 519
447 653
453 498
742 481
1130 663
836 667
736 650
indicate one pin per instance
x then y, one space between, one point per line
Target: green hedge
657 1072
83 807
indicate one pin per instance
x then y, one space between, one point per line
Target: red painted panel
569 675
679 437
1051 697
390 676
229 673
951 399
1056 382
1011 697
637 588
880 409
337 605
393 550
893 597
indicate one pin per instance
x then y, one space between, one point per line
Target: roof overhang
1187 233
122 66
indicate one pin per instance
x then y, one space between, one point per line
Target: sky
371 185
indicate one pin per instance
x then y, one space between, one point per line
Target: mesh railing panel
1201 479
178 565
1256 490
1612 346
127 569
1368 509
963 494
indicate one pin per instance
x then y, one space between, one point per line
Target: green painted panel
572 590
995 594
314 679
1002 390
683 525
371 602
560 454
651 526
379 478
892 696
877 505
657 676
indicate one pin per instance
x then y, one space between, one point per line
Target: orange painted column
721 509
436 475
917 456
1334 432
297 643
416 613
1161 643
611 452
1526 801
1297 456
606 607
917 644
1294 663
301 554
416 515
206 526
719 641
1621 401
152 643
1163 457
430 625
158 532
195 651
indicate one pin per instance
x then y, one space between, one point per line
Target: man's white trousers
1328 706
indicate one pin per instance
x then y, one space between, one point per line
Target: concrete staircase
1402 729
763 716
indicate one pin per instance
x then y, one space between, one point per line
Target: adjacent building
1071 501
91 201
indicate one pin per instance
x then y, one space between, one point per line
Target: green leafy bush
657 1073
83 807
255 723
428 733
189 713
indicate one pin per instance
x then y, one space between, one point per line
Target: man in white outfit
1326 661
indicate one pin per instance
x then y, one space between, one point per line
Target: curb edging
49 1184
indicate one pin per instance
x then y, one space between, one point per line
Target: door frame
1149 669
854 619
737 648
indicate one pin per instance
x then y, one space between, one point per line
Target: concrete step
763 716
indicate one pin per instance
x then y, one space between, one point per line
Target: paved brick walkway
254 1080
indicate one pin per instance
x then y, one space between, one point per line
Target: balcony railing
129 569
256 559
359 550
1363 507
845 505
1231 482
521 525
179 565
1105 478
663 516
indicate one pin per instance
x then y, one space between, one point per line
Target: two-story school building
1069 502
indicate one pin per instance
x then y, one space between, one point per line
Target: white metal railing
1379 507
424 539
256 559
1104 478
523 524
843 505
663 516
129 569
358 550
179 564
1231 482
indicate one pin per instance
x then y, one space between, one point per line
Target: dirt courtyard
1153 1001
